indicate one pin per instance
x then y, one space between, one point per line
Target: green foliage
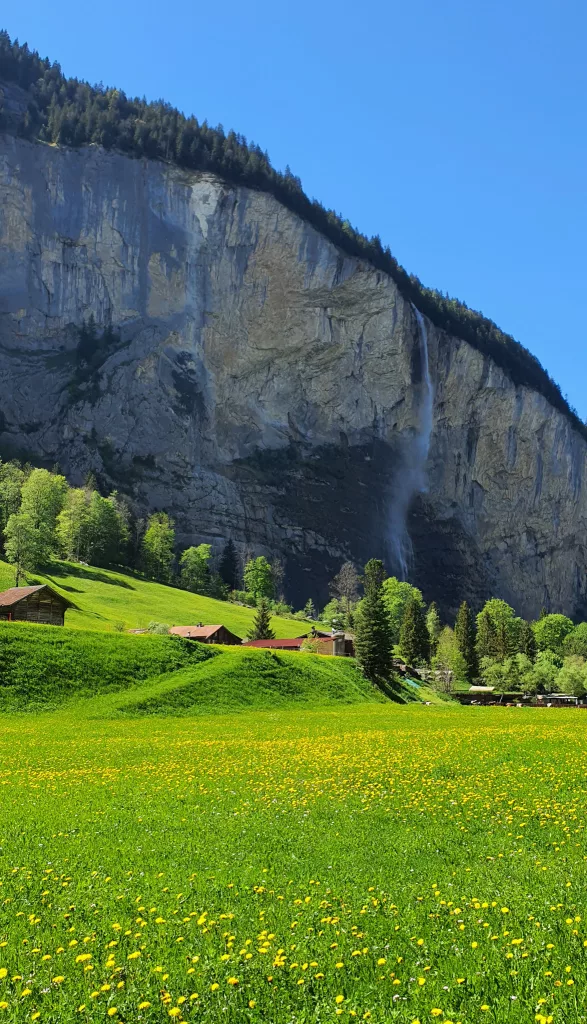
45 665
195 569
22 544
500 634
550 633
258 578
575 642
261 627
157 547
448 662
572 678
397 594
158 628
373 636
414 640
309 609
42 498
465 637
334 615
12 477
72 113
527 641
434 627
228 568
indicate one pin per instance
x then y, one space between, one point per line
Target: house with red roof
206 634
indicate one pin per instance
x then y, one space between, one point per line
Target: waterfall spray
413 474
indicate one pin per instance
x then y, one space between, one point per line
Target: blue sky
456 131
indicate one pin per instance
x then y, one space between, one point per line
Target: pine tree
228 568
414 640
261 628
434 626
486 644
373 639
309 609
465 639
528 641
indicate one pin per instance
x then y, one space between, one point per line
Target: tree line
70 112
495 646
43 518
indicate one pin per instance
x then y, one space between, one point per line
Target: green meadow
364 861
105 600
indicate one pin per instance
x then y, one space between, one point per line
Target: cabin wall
42 608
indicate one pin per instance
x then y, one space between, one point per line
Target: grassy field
43 667
104 599
369 862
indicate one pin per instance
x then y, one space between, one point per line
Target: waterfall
412 478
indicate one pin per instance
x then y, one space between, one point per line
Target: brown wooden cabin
207 634
34 604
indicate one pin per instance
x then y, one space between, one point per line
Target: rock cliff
257 383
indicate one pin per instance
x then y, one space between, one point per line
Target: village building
34 604
206 634
330 643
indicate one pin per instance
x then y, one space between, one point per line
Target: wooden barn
207 634
33 604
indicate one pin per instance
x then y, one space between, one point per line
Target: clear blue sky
454 129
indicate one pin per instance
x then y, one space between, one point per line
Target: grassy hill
44 667
104 599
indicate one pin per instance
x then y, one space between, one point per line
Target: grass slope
240 680
103 598
42 666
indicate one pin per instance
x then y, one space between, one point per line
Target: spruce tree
486 643
434 627
528 641
261 628
373 639
465 639
414 640
228 568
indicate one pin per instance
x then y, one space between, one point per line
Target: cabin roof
198 632
10 597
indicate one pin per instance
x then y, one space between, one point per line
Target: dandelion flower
339 999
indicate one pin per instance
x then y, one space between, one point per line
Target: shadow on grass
81 572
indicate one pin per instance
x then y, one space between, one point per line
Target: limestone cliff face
262 385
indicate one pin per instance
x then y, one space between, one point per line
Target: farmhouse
33 604
206 634
328 643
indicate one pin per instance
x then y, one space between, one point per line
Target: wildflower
252 1004
214 987
112 1011
339 999
58 979
233 981
436 1012
174 1011
144 1005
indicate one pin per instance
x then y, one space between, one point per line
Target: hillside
107 600
45 667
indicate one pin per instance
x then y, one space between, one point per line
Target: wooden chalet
206 634
34 604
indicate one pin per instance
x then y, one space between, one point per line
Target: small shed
34 604
206 634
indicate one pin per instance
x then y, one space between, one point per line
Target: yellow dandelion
214 987
112 1011
233 981
144 1005
339 999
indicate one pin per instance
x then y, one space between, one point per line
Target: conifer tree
414 640
486 644
434 626
465 639
528 641
261 628
228 568
373 638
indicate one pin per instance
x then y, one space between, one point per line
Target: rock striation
257 383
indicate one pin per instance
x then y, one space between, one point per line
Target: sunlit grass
104 599
371 862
